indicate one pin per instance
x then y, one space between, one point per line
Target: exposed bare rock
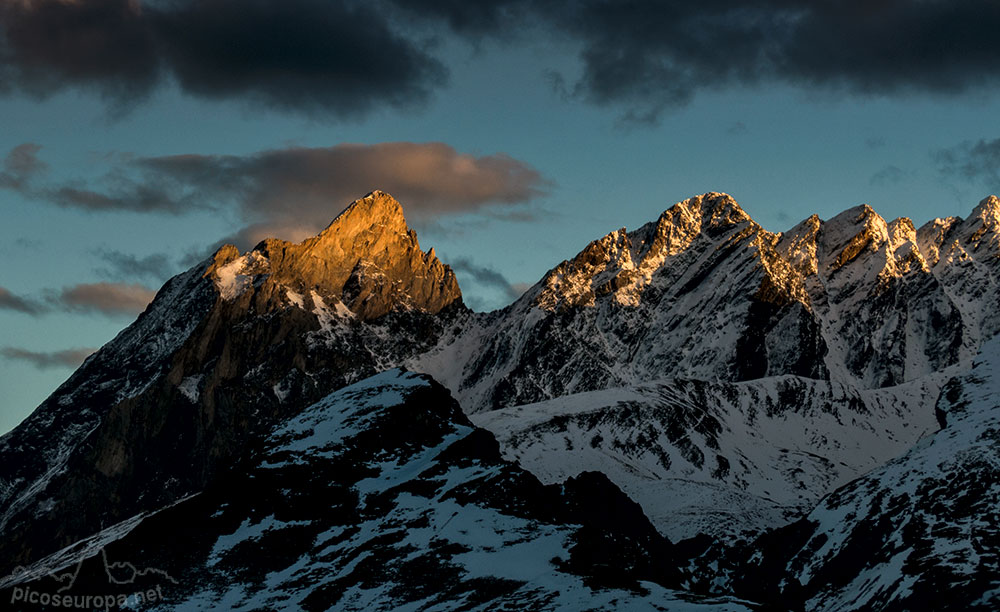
367 258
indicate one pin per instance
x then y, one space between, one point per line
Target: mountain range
696 414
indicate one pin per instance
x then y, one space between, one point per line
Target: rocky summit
367 260
695 414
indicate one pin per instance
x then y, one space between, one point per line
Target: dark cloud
888 175
501 18
320 57
487 276
343 58
11 301
737 129
650 56
44 360
875 142
111 299
647 56
20 166
126 266
976 161
49 45
336 58
293 193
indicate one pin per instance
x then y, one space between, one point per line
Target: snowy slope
921 532
719 458
383 497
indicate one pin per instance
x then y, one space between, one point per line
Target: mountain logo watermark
93 583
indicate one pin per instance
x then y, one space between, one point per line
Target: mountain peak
683 222
368 259
988 210
622 264
719 202
712 209
378 212
853 231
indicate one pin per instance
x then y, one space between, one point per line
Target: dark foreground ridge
382 495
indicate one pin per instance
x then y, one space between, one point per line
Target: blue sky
784 145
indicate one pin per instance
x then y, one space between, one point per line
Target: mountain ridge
702 298
815 299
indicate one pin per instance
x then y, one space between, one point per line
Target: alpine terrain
697 414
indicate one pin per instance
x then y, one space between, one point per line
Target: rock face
367 259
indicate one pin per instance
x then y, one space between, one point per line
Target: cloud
331 58
111 299
487 276
520 288
295 192
345 58
50 45
319 57
20 166
976 161
119 189
875 142
429 178
887 175
472 19
737 129
651 56
44 360
10 301
646 57
126 266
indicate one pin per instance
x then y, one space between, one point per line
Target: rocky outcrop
368 259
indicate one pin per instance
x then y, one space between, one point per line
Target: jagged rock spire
368 258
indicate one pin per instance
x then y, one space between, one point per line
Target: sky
139 135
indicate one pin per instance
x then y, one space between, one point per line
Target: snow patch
234 278
190 387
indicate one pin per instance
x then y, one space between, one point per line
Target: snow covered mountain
705 292
725 459
383 496
727 379
921 532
